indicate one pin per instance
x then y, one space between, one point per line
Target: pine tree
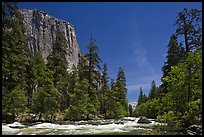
144 98
178 101
189 26
15 59
111 100
141 97
121 84
121 90
93 75
13 104
175 55
112 84
82 68
14 49
79 102
94 63
58 64
153 90
130 110
104 95
46 98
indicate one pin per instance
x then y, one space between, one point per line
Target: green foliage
15 59
104 92
8 9
153 91
172 120
142 97
153 108
189 25
175 55
119 111
93 104
13 103
94 63
57 63
166 104
116 110
141 110
191 116
45 98
110 101
121 90
149 109
82 68
130 110
179 78
14 49
78 108
93 76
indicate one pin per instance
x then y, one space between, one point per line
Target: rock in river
143 120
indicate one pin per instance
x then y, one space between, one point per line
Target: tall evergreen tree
175 55
104 95
121 90
142 97
153 90
79 101
83 68
13 104
15 59
15 54
189 26
130 110
93 75
58 64
112 84
110 100
46 98
94 63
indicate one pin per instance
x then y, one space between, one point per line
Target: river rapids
126 126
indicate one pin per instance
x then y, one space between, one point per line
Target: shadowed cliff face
41 31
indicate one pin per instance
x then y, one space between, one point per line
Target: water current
126 126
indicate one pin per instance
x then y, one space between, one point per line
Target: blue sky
131 35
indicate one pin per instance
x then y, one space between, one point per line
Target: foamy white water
127 125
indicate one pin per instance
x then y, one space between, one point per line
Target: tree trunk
40 117
87 117
187 51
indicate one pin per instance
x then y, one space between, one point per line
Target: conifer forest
35 90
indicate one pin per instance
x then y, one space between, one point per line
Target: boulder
189 132
194 129
144 120
16 125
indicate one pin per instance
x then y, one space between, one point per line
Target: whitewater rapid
128 124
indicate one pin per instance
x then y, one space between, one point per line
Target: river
126 126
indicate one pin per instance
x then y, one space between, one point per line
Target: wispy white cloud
142 71
144 81
140 56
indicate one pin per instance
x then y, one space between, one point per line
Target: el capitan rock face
41 30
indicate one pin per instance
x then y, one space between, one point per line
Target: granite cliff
41 30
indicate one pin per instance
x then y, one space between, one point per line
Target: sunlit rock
41 30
